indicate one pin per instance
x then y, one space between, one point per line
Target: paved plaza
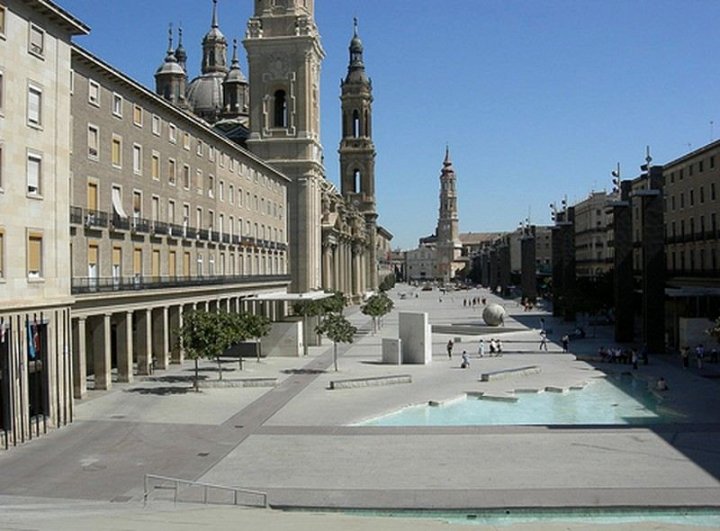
298 443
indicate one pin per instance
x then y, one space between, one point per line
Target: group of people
700 353
474 301
619 355
494 346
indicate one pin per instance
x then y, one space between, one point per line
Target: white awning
117 203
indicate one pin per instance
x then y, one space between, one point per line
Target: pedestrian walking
634 358
481 348
699 355
450 348
465 361
565 342
685 356
543 341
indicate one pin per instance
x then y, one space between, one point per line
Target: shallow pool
611 400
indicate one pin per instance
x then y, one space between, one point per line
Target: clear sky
536 99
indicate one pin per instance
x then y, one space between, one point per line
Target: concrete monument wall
416 338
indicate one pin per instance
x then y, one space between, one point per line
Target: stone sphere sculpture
493 314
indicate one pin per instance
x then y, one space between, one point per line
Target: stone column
653 263
79 359
528 276
568 262
125 347
160 344
504 268
623 265
175 324
557 269
102 354
143 341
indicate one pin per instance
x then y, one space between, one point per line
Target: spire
214 47
214 23
170 41
235 62
447 161
356 68
180 53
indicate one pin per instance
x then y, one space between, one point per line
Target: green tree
256 327
206 335
714 331
377 306
338 329
315 308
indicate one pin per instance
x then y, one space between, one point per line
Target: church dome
205 94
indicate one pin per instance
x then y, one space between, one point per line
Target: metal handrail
178 482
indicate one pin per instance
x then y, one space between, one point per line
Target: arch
356 124
357 180
280 115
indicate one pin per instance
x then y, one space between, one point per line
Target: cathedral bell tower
357 151
284 57
448 243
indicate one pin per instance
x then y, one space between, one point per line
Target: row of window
255 230
691 226
700 165
694 259
691 197
117 109
179 264
269 207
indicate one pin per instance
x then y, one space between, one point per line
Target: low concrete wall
239 382
370 382
506 373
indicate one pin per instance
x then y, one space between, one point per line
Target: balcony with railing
119 223
203 234
160 228
141 225
225 237
82 285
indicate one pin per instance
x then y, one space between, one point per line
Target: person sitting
661 384
499 347
465 361
493 346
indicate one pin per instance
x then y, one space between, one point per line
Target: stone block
416 338
392 351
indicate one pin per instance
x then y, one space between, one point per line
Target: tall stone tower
448 243
357 151
284 57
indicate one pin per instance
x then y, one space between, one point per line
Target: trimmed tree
376 307
256 327
317 307
714 331
338 329
205 335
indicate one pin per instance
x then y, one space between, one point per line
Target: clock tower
284 58
357 151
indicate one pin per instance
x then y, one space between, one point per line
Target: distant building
593 235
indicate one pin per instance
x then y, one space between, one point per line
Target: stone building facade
166 215
593 235
35 86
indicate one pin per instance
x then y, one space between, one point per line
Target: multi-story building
35 132
593 234
166 215
691 187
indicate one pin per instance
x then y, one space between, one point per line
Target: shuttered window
34 255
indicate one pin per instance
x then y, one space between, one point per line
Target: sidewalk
298 442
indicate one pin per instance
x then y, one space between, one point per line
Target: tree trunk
257 349
219 368
335 356
196 382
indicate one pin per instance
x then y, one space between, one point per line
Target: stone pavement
298 441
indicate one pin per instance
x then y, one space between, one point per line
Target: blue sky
536 99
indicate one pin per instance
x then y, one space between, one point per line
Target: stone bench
370 382
506 373
239 382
